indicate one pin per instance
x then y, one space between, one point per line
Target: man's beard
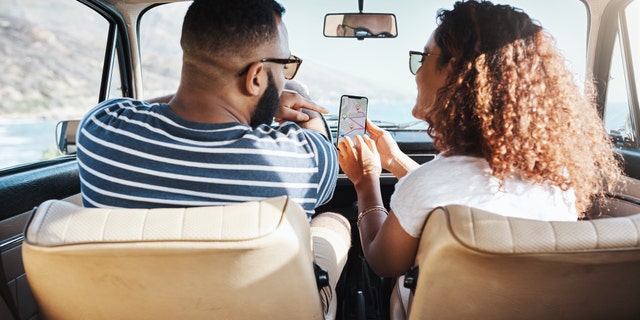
267 105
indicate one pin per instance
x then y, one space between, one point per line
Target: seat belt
6 292
324 288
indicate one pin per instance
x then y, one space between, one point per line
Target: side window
115 88
160 50
51 64
632 12
617 117
623 86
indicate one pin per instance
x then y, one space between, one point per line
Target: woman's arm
389 250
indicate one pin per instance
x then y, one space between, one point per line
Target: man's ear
255 79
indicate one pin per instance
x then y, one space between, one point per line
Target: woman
517 137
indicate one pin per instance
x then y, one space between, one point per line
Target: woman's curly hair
511 99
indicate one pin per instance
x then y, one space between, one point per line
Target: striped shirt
134 154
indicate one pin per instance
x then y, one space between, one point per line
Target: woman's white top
468 181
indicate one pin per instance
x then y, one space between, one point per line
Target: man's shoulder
122 103
293 128
118 105
298 138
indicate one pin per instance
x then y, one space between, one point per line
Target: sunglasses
291 66
416 58
364 32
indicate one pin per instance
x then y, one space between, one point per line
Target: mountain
43 68
52 62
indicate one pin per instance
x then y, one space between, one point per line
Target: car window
618 120
632 13
375 68
50 71
617 117
160 52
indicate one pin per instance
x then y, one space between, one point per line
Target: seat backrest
480 265
243 261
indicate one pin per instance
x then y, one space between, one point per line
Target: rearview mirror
360 25
66 136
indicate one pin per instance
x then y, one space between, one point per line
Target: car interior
59 260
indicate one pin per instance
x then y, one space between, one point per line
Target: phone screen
352 116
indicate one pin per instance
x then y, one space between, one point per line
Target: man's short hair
229 27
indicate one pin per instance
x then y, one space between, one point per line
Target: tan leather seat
244 261
473 264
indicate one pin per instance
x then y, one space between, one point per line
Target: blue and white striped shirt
135 154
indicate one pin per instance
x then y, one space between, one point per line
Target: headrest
57 222
490 232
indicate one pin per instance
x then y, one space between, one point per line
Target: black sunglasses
364 32
416 58
291 66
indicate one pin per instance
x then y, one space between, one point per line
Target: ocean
25 141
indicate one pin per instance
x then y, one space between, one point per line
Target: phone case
352 116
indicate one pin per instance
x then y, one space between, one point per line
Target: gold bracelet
369 210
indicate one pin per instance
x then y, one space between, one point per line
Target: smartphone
352 117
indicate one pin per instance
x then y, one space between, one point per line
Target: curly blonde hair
511 99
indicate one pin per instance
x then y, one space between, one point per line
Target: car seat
250 260
473 264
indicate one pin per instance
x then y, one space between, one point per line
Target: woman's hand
359 160
392 158
387 147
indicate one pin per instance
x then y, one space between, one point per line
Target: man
367 25
212 143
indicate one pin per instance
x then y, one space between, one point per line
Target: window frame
602 38
118 47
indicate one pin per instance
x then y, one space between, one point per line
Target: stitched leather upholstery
244 261
476 264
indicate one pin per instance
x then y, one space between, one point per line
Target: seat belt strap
6 292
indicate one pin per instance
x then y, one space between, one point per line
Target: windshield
373 68
53 67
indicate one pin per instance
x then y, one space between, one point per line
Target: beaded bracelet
369 210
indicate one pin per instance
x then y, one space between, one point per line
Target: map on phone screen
353 116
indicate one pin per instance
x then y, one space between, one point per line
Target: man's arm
296 106
316 122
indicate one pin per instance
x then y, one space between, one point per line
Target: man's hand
292 105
